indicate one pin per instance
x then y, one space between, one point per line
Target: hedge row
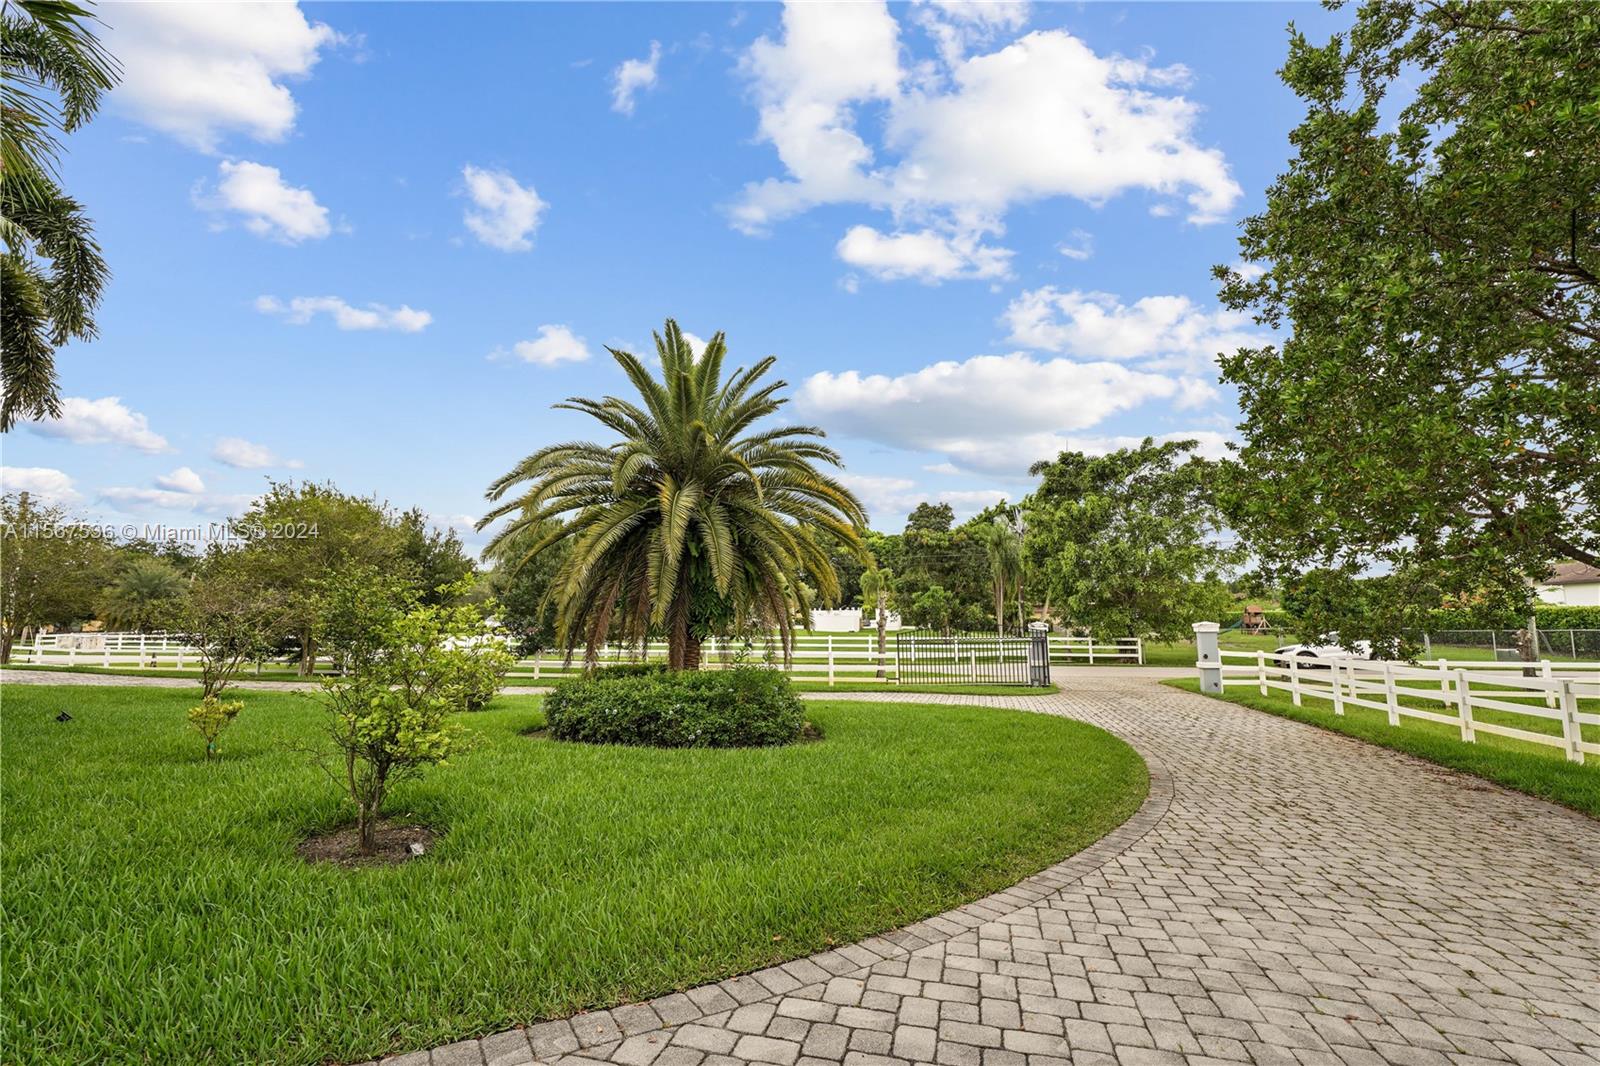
737 708
1548 615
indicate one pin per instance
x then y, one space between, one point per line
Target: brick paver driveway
1286 897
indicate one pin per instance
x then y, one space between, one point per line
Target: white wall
848 620
1586 594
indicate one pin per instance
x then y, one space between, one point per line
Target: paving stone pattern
1286 897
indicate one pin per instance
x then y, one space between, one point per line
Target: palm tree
143 595
694 522
54 73
1002 542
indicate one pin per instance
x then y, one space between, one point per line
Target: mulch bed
392 845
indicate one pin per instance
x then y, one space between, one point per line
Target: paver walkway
1287 897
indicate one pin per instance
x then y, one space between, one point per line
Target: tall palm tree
1002 543
694 521
54 72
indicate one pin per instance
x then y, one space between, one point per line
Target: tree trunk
6 640
691 652
308 656
883 625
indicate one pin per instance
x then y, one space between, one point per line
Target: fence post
538 657
1261 670
1464 706
1338 691
1444 678
142 660
1294 679
1138 646
105 658
180 658
1091 649
72 654
1571 728
1209 658
1549 694
1392 696
897 661
830 662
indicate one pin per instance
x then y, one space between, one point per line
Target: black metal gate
964 659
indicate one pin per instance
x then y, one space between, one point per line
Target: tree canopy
54 73
694 521
1432 253
1130 543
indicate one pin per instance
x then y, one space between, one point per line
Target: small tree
210 717
875 585
407 669
934 608
229 618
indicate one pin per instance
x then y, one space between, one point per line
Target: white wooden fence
1459 687
816 657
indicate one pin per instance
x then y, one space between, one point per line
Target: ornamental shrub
210 717
740 707
629 670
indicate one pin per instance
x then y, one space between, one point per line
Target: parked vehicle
1323 650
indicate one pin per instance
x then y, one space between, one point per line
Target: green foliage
1001 537
694 522
230 617
740 707
1432 411
1128 544
522 583
210 717
408 667
54 73
933 608
143 595
1546 616
616 670
298 535
51 567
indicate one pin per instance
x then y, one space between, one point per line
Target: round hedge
743 707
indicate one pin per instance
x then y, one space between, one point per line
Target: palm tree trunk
691 653
883 624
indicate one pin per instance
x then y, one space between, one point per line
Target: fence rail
815 656
1460 688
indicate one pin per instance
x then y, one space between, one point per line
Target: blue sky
374 242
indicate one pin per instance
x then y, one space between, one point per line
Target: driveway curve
1286 897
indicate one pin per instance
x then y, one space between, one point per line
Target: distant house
849 620
1571 585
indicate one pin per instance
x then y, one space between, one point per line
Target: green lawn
1532 768
154 909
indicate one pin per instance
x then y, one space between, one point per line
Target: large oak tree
1433 255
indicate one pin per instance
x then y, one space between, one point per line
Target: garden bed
155 907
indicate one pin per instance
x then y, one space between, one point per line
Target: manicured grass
1532 768
277 673
154 909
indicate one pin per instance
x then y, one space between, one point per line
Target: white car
1327 648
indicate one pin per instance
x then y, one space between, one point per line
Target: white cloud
832 56
555 345
183 479
924 255
958 25
133 499
1194 393
504 214
1044 116
1080 246
269 207
52 486
199 71
992 413
301 309
103 421
1164 331
246 455
887 496
632 76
